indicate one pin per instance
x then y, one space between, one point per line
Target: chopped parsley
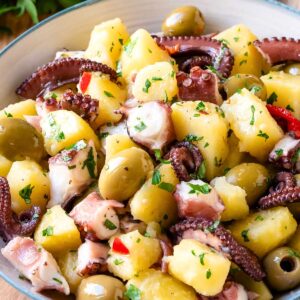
201 171
72 167
156 177
158 156
57 280
108 94
252 115
133 293
263 135
140 127
156 180
60 136
272 98
208 274
169 187
90 163
118 262
48 231
103 135
147 86
121 41
279 152
119 68
293 252
25 193
206 145
226 170
193 138
259 218
236 39
200 106
197 188
201 257
212 227
288 107
110 225
128 48
218 162
55 133
295 157
244 61
255 89
8 115
244 235
156 79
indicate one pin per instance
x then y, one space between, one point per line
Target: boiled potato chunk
256 232
155 202
140 51
199 266
110 95
153 284
233 197
116 143
5 165
294 242
252 124
143 253
68 264
283 90
106 42
247 60
19 110
63 128
29 186
156 82
203 123
57 232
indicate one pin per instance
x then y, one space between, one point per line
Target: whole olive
293 69
250 82
100 287
282 266
185 20
124 174
18 140
251 177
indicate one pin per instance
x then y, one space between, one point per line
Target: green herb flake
201 257
208 274
57 280
279 152
244 235
103 135
206 145
48 231
236 39
156 177
263 135
8 115
158 156
288 107
239 91
293 252
119 68
252 115
156 79
72 167
172 75
118 262
90 163
259 218
129 46
108 94
212 228
226 170
218 162
197 188
201 106
138 240
272 98
255 89
25 193
121 41
193 138
110 225
169 187
22 277
147 86
201 171
140 127
244 61
296 156
133 293
60 136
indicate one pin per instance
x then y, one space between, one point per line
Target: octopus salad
157 166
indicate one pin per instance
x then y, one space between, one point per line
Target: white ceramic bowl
71 28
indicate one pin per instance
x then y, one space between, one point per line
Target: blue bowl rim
49 19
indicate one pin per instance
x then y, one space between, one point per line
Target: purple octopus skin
11 224
186 159
58 73
188 46
285 192
277 50
240 255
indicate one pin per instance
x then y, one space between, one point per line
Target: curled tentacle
185 159
188 46
240 255
277 50
10 224
196 61
58 73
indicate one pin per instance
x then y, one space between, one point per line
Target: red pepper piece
285 119
85 81
119 247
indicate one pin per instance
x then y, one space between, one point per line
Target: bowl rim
10 281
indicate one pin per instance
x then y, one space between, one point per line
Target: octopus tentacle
196 61
11 225
185 159
277 50
58 73
242 256
222 59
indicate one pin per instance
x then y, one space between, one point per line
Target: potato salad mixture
157 166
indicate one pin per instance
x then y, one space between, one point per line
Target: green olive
282 267
293 69
251 177
250 82
124 174
185 20
100 287
19 140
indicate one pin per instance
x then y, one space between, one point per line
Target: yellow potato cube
204 124
294 242
252 124
256 232
29 186
57 232
156 82
19 110
283 90
107 40
247 60
140 51
199 266
63 128
5 165
233 197
153 284
154 201
143 253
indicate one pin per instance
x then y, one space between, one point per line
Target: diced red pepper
119 247
85 81
285 119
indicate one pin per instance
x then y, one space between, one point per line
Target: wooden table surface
6 291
